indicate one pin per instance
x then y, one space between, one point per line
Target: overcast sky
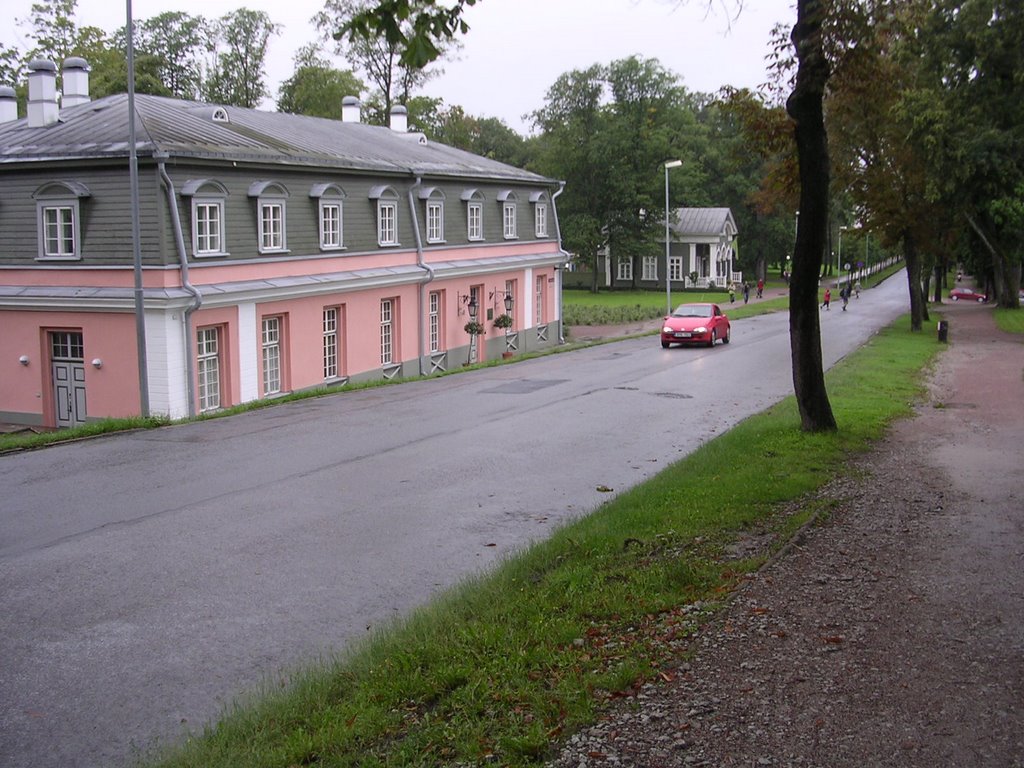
516 49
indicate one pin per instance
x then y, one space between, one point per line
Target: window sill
274 251
389 245
211 255
331 248
59 258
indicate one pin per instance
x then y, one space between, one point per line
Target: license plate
683 334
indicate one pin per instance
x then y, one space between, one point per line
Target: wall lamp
23 359
506 297
97 363
471 305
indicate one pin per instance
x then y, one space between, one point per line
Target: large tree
377 57
180 42
316 88
238 75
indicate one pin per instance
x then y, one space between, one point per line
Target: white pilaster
248 353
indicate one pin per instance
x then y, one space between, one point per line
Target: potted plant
503 321
473 328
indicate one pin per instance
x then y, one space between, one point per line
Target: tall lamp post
668 275
839 261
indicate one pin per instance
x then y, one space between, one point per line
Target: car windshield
692 310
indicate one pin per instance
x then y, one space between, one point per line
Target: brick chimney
8 104
350 112
75 78
42 93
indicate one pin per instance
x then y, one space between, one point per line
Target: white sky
516 49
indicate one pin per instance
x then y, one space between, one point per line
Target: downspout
422 264
197 299
558 231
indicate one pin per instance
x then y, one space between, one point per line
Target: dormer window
58 213
540 214
387 215
434 204
510 227
474 214
271 199
208 196
330 209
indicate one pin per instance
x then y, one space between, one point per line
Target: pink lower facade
229 334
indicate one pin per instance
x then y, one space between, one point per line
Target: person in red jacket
828 298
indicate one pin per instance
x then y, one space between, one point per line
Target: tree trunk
940 272
913 259
805 107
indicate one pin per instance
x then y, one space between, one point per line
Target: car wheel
955 298
728 335
665 345
714 338
981 299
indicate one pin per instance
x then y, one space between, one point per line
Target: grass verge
1010 320
497 670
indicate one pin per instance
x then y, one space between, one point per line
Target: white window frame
624 269
475 220
387 223
434 321
435 221
208 368
650 268
508 220
272 226
66 234
332 346
387 331
675 268
203 242
332 227
540 219
59 220
540 284
270 337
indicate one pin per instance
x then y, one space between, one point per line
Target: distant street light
668 274
839 262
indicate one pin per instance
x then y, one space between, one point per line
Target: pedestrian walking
732 292
760 287
856 290
746 292
828 298
844 294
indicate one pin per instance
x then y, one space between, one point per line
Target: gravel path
890 633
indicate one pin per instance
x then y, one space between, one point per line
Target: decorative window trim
207 193
387 215
433 213
330 197
63 199
649 268
624 269
509 223
540 219
271 216
474 201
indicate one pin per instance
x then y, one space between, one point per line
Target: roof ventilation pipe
8 104
350 110
399 119
75 78
42 93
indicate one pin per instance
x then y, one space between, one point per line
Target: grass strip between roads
497 670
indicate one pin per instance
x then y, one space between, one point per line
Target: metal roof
99 129
703 222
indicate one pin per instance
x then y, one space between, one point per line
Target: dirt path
890 634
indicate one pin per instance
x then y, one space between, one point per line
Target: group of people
844 295
745 288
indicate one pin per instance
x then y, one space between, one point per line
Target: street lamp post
839 261
668 275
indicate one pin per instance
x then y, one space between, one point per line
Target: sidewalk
890 633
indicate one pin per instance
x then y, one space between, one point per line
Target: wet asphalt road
149 579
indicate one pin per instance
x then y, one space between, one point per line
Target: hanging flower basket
503 321
473 328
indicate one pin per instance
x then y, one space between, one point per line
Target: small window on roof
220 115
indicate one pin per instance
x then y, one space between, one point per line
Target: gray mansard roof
99 129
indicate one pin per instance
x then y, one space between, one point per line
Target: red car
696 324
967 294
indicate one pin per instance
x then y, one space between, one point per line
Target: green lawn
500 669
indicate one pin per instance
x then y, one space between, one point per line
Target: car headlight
667 329
701 329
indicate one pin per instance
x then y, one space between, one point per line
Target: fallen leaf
605 489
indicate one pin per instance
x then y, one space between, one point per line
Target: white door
68 367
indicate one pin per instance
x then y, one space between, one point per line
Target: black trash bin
943 330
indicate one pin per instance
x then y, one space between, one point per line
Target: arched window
58 213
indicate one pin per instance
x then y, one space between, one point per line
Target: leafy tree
52 29
179 42
316 88
377 57
237 74
109 67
